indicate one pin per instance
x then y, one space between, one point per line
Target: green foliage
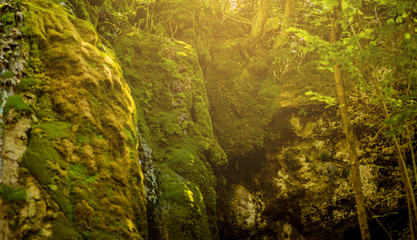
11 194
16 102
330 101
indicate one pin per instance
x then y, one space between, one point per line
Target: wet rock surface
13 57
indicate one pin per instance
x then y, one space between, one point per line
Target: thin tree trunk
288 11
408 187
354 163
260 20
350 138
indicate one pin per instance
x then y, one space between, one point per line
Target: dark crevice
241 170
396 227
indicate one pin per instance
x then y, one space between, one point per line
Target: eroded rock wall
296 185
79 167
168 87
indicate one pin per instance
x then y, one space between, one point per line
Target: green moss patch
56 130
40 157
11 194
187 217
16 102
63 229
27 84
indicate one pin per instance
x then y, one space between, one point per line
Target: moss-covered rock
244 97
16 102
79 93
168 87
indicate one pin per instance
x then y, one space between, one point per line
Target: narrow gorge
206 119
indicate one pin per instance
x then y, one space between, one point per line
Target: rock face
123 120
80 170
168 87
296 186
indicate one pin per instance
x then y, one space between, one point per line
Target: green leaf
390 21
309 93
407 36
399 19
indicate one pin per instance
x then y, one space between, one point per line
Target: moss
293 164
83 88
61 197
81 139
7 74
79 171
16 102
86 30
11 194
63 229
39 155
84 214
186 218
181 161
56 130
169 91
44 162
44 108
9 19
27 84
243 95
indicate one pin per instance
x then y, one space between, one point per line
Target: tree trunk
350 138
260 20
288 11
